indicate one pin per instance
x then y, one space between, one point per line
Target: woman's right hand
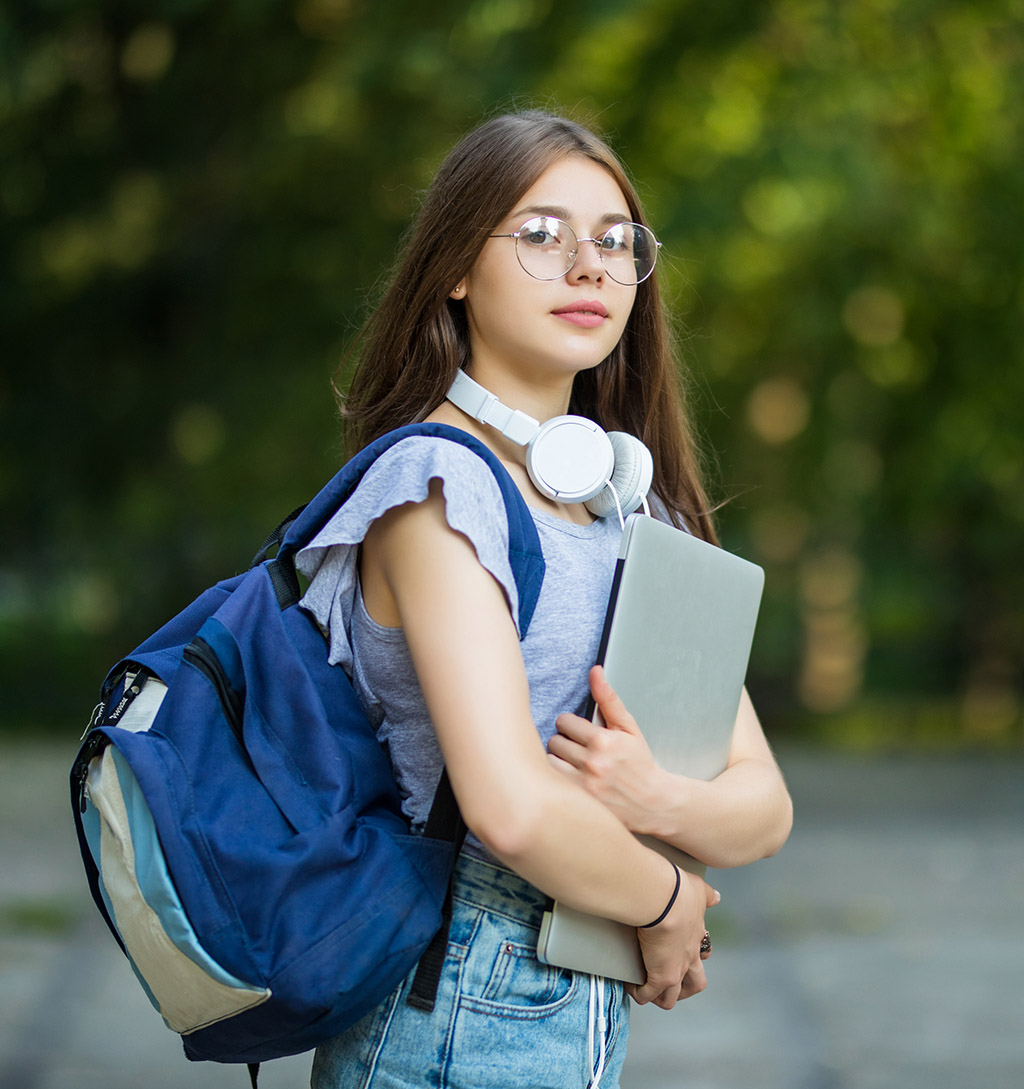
671 950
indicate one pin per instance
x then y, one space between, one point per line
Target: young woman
530 268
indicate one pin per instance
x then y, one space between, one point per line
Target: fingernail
718 896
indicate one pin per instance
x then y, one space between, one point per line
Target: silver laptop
675 647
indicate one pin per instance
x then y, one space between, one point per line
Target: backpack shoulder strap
301 526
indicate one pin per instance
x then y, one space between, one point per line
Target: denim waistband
495 888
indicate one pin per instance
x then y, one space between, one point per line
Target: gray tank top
561 644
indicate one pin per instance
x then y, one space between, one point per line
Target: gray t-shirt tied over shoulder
558 651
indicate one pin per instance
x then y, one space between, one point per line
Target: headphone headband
482 405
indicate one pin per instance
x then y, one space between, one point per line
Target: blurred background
198 200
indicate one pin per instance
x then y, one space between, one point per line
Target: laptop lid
675 647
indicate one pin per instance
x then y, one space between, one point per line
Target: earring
457 291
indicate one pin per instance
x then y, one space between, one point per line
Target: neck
508 451
539 398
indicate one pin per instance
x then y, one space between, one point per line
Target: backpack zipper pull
94 717
89 751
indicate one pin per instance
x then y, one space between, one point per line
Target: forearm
742 815
573 848
579 852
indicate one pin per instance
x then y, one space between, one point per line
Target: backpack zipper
205 659
132 679
94 745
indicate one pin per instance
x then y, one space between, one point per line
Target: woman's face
536 330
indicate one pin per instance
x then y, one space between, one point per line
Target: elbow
508 834
776 819
777 832
785 820
509 813
766 840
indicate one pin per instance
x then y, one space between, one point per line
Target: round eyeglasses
547 248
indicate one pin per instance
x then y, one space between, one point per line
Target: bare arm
466 653
742 815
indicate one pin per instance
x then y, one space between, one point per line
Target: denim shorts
502 1019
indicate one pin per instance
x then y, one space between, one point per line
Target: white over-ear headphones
569 458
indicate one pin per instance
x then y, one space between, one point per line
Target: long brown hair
417 337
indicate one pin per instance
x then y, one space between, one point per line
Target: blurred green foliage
199 197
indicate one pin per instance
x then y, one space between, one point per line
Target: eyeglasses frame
576 252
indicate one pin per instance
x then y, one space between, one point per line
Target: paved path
882 949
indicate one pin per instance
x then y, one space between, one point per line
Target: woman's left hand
612 762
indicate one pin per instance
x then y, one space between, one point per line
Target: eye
617 239
542 232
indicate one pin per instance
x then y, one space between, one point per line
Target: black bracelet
671 900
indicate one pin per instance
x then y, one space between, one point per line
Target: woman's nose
588 264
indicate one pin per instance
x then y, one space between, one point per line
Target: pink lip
586 313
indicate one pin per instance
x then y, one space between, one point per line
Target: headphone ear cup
570 459
631 478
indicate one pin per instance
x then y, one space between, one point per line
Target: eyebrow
557 212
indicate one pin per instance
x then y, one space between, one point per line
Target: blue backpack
240 824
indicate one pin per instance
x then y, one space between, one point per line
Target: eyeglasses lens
628 251
547 248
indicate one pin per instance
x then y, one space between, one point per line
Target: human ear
458 291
